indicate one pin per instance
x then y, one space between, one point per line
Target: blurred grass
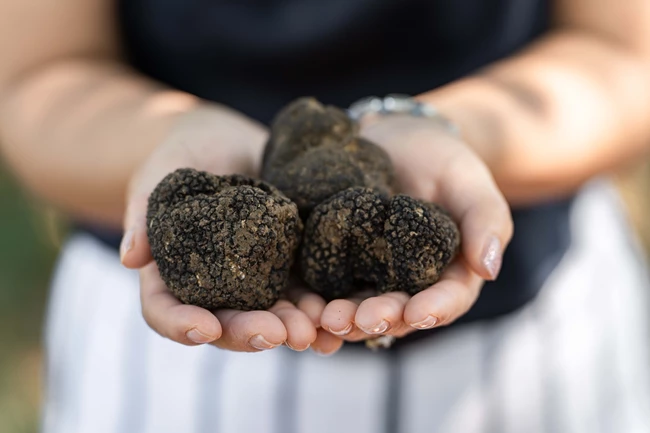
29 239
27 253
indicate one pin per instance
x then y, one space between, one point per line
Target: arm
93 137
572 105
75 123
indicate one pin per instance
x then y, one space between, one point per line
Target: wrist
211 129
206 137
370 110
481 129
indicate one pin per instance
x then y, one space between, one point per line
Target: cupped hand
221 142
434 165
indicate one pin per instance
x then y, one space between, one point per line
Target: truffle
314 152
361 238
222 241
357 233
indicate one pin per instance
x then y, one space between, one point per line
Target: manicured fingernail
492 257
198 337
127 243
427 323
260 343
297 349
379 329
344 331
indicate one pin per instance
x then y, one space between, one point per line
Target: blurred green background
30 236
29 239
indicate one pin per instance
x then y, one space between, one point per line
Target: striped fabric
575 360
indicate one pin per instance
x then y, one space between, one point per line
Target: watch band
399 104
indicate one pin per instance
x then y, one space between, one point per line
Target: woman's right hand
219 141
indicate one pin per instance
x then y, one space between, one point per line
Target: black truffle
356 235
359 238
222 241
314 152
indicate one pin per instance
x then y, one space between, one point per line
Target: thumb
135 251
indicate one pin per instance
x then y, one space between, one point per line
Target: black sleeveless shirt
257 55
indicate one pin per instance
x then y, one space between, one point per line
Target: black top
257 55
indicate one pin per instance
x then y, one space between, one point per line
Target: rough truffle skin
314 152
222 241
360 238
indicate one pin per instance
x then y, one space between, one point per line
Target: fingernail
198 337
296 349
322 354
127 243
492 257
427 323
379 329
344 331
260 343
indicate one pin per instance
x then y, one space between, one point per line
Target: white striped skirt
574 360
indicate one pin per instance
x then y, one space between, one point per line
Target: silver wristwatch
399 104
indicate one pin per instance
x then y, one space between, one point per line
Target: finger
301 331
338 316
326 343
338 319
467 189
357 335
185 324
135 251
313 306
250 331
446 300
402 331
382 315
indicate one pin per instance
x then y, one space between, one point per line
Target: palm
233 147
432 165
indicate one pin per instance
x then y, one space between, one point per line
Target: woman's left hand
434 165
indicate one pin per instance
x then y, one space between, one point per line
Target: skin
74 120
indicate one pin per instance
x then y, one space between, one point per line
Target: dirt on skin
222 241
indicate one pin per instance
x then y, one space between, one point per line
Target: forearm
569 107
75 132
